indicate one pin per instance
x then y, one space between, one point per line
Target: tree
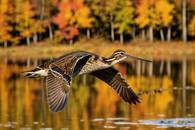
4 22
110 14
100 15
152 14
146 17
25 19
103 13
110 9
38 8
124 16
38 27
48 6
184 20
72 16
191 26
164 10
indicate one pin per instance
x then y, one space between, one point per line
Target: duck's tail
37 72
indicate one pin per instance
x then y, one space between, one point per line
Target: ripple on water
109 127
25 128
98 120
125 123
111 119
177 122
117 119
112 123
45 128
8 125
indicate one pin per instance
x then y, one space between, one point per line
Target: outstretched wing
58 86
59 78
113 78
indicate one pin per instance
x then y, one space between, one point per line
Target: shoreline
156 50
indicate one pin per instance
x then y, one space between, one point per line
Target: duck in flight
60 71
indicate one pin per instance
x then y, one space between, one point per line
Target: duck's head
120 55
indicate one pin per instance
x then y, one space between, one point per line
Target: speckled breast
93 64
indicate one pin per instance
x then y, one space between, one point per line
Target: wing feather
56 94
113 78
71 64
59 78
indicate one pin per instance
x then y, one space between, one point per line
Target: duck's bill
138 58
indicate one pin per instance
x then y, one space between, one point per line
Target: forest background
67 22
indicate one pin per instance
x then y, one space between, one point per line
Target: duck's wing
113 78
72 63
58 81
58 86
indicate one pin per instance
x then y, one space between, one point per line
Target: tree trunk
133 32
138 68
112 28
169 34
150 69
42 9
28 62
35 38
50 32
121 38
151 36
162 35
88 33
143 34
169 68
143 67
161 67
35 63
5 44
71 42
28 40
184 20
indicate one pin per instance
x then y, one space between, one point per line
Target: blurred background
33 31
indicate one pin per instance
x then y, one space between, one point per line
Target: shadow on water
92 105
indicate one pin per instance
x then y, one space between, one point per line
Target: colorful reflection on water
93 105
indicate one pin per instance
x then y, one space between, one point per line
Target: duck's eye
122 53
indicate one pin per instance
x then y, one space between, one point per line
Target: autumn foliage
24 21
4 22
72 15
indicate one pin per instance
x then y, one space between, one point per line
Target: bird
60 71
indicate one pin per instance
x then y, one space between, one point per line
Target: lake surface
93 105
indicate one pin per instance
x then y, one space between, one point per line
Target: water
92 105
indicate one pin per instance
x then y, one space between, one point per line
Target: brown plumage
113 78
60 71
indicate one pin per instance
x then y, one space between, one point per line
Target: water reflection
92 104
